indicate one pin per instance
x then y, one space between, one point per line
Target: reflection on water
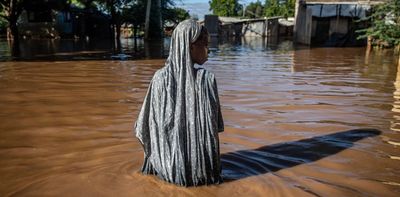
70 49
299 122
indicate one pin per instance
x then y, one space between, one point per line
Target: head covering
180 117
184 34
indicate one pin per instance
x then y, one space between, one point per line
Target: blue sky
201 7
206 1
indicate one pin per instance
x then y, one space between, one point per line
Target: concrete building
226 27
331 22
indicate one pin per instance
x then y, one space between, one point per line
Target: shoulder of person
203 72
159 74
159 71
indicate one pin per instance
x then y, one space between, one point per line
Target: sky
206 1
201 7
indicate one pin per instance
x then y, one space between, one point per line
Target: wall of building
338 25
226 27
211 22
317 21
257 29
303 25
36 29
64 24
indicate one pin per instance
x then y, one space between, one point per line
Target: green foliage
9 13
254 10
135 13
10 8
121 11
272 8
385 24
77 3
289 7
225 7
279 8
112 7
3 26
175 14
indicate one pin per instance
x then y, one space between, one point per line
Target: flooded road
298 122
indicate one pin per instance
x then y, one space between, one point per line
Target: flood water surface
304 122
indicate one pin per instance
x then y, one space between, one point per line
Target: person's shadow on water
245 163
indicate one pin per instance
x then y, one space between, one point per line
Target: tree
272 8
3 25
134 15
155 19
225 7
86 4
147 21
150 14
10 11
385 24
254 10
175 14
288 8
279 8
114 8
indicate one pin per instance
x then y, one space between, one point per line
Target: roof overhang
327 2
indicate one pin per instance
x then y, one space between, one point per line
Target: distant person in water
180 118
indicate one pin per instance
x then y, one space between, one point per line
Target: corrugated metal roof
365 2
345 10
228 20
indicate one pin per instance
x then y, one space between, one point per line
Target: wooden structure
330 22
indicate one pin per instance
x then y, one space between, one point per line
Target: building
331 22
226 27
44 19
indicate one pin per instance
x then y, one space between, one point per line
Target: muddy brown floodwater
299 122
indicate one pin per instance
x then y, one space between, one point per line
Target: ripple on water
299 122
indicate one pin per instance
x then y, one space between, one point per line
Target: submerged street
298 122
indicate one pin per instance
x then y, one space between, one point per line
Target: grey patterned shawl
180 117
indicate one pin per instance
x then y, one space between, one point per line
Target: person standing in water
180 119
